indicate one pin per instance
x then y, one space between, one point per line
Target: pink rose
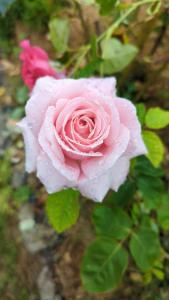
35 64
79 134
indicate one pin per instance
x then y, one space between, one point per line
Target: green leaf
17 113
125 193
106 6
141 112
144 167
159 274
88 2
103 265
22 95
89 69
147 278
117 56
135 213
151 189
111 222
59 34
145 248
63 209
163 212
154 8
155 147
5 5
157 118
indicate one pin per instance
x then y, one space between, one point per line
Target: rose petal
49 176
97 188
96 166
107 85
32 51
119 171
31 146
46 92
129 118
50 146
24 44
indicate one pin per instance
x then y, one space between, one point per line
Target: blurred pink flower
35 64
79 134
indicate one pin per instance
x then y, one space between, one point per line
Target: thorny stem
80 59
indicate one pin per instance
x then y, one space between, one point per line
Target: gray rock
36 236
18 178
26 212
3 132
46 285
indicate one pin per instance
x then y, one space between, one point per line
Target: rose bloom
35 64
79 134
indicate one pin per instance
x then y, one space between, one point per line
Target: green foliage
5 170
149 182
63 209
151 190
17 113
88 2
137 230
8 248
141 112
10 262
106 6
103 265
89 69
154 8
125 194
5 188
131 220
157 118
116 55
163 212
8 194
22 95
5 5
143 167
145 248
155 147
111 222
26 12
4 198
59 34
22 194
30 9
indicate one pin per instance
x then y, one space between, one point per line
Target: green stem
80 59
108 33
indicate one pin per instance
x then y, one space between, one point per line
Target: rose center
82 123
